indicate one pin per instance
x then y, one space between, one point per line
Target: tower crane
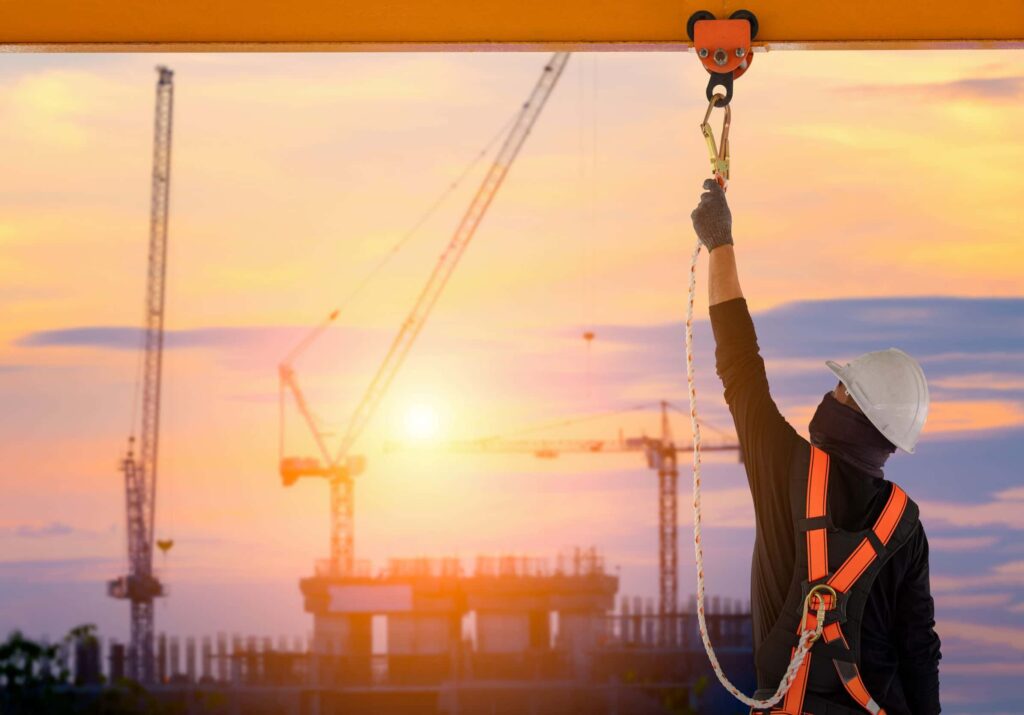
660 452
340 467
141 586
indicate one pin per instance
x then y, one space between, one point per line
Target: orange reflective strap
891 515
842 580
849 675
832 632
817 554
862 557
817 500
853 567
817 568
794 701
817 483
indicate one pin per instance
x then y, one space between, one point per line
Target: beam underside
372 25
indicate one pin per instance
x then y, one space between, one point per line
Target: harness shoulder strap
815 510
831 591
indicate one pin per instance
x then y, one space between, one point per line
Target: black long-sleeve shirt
899 646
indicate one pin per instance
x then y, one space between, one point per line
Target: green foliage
85 633
128 697
34 679
26 664
29 672
677 701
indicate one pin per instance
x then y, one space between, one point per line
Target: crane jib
339 468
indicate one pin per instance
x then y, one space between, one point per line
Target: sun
421 423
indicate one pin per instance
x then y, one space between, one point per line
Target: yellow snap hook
718 152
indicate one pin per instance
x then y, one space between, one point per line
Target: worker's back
891 639
900 648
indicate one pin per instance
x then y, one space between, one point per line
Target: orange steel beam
369 25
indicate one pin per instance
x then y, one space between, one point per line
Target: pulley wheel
702 15
742 15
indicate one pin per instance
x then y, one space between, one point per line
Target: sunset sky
872 208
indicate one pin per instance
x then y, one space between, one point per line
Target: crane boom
550 448
449 259
342 467
140 586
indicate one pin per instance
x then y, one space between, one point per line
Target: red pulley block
723 46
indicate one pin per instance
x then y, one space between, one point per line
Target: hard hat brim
857 394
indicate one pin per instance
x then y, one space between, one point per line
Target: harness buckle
718 152
821 588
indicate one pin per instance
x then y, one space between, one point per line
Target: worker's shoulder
899 516
893 491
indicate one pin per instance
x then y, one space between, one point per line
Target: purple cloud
978 88
43 531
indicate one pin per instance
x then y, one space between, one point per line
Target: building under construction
509 635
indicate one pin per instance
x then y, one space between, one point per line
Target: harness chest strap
840 582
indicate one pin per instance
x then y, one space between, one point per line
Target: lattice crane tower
141 587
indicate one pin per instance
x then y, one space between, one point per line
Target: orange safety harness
840 568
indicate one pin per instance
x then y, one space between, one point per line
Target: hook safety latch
718 152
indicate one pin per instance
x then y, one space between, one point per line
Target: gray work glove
712 219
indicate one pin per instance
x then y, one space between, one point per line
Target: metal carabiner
820 590
718 153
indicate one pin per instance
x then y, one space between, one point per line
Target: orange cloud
960 543
1003 636
1006 509
972 415
974 600
986 669
1001 382
950 417
1009 574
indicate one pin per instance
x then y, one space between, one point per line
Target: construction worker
831 531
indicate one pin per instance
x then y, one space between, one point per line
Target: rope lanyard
720 165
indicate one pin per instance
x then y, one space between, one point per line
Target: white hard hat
890 389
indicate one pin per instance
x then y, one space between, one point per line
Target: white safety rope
807 638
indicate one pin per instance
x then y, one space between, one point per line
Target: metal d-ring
815 590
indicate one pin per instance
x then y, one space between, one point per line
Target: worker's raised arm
766 438
712 220
723 278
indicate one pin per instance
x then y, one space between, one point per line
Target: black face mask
849 435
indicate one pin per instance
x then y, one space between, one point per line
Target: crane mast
340 469
140 587
662 457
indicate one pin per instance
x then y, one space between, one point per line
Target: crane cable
310 337
427 214
720 164
568 422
